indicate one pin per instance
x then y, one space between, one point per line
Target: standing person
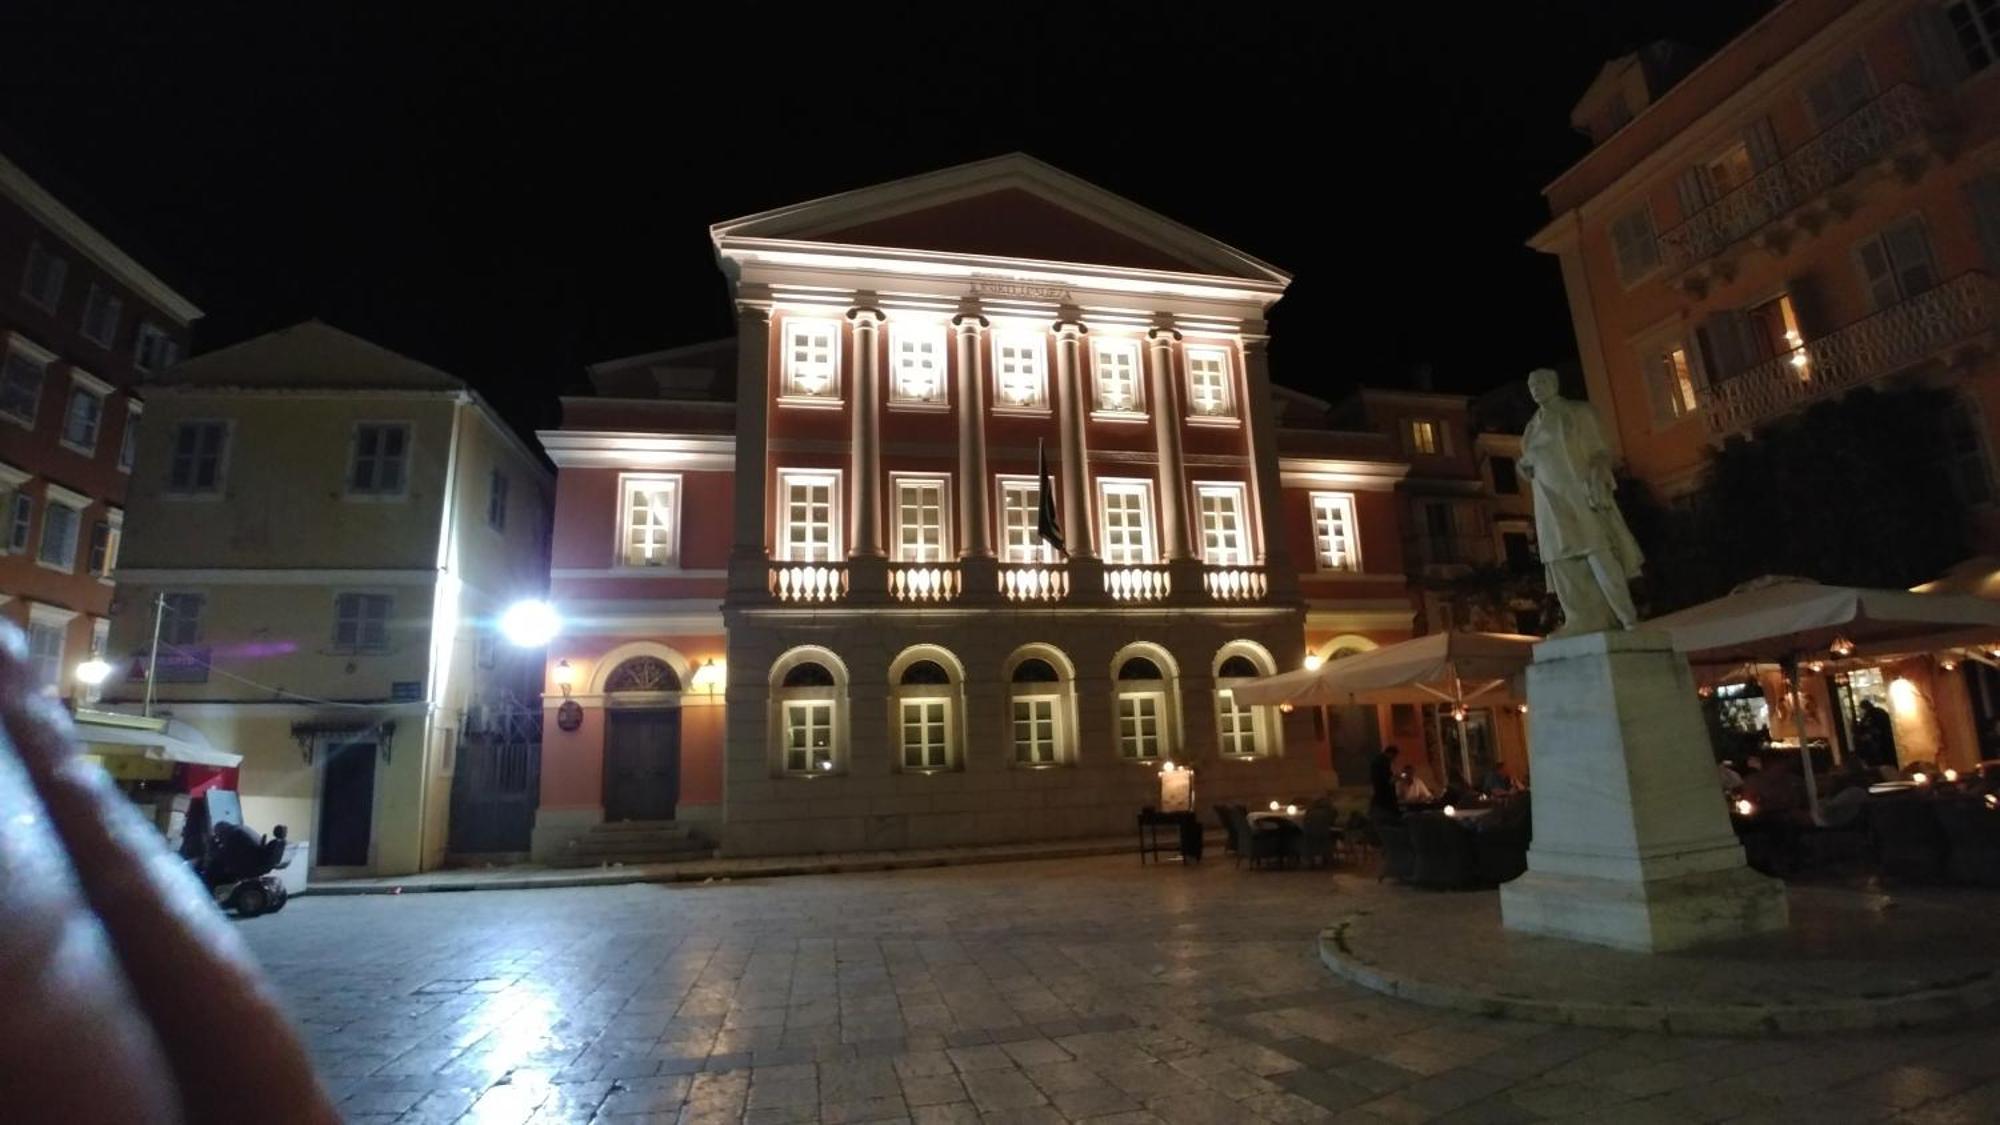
1382 777
1875 736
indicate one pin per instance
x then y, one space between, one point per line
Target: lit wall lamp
1313 661
710 677
564 676
569 716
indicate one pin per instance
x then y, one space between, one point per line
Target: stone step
634 842
621 827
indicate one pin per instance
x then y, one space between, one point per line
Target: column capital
866 314
970 323
1070 329
753 311
1165 333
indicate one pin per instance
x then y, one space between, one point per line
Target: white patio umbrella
1789 620
1451 668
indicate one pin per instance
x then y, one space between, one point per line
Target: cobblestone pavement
1087 990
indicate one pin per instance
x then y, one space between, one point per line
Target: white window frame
1210 402
48 302
114 538
1242 551
1682 396
55 496
1133 749
1054 744
1020 380
84 386
1031 551
934 713
786 702
1102 402
362 599
154 348
1323 545
404 461
50 666
98 298
799 372
36 355
1149 547
17 526
128 438
836 514
909 341
1230 715
669 547
192 489
904 550
797 702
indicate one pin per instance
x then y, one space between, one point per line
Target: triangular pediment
1011 206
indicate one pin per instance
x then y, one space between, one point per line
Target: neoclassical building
808 603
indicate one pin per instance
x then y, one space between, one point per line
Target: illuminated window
812 353
1635 245
105 536
1223 542
1240 726
917 362
1208 383
1670 382
1142 695
649 514
1118 377
1037 695
1018 370
807 511
1020 519
807 687
921 519
924 694
1127 513
1333 531
1425 436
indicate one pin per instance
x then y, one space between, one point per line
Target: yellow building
325 533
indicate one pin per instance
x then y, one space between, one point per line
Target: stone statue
1588 552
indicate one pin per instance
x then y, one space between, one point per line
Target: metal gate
497 784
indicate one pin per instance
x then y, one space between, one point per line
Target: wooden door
642 764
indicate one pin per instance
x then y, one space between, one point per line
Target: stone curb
711 869
1675 1017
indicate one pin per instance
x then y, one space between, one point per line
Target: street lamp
93 672
530 624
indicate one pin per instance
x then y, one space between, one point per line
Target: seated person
1498 782
1410 789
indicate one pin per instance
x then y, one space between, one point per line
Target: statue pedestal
1632 847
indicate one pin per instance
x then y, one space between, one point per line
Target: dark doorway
346 805
642 763
1356 739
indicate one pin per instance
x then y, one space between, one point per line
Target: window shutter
1876 276
1823 101
1694 196
1910 251
1659 386
1809 305
1762 143
1983 194
1726 343
1939 58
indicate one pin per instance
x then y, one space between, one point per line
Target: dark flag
1045 509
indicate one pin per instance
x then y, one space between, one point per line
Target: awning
1446 668
178 743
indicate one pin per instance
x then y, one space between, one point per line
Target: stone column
749 555
975 538
1176 533
1086 573
865 456
1260 428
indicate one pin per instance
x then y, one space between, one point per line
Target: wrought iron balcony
1875 131
1881 344
808 581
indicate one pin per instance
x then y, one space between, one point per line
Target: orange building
808 605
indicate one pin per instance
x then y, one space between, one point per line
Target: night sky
510 191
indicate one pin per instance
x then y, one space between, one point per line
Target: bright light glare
93 672
530 624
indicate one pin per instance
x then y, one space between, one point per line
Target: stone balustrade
1034 582
808 581
924 582
1235 583
1146 583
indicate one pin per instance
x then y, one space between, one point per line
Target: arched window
1242 731
1147 701
808 712
1041 703
928 708
642 673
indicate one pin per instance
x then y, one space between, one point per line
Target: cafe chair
1314 843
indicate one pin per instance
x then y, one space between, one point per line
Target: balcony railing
1235 583
1147 583
808 581
1822 163
1881 344
1034 582
923 582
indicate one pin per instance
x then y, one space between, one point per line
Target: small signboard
406 691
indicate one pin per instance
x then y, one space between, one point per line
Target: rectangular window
1239 725
153 349
128 442
920 519
1208 383
1635 245
1020 518
650 514
43 283
45 653
812 358
1333 531
1127 508
21 382
808 736
1670 387
82 418
1118 377
1896 264
1018 370
1835 97
1975 26
808 520
1139 724
361 622
180 619
1035 730
104 536
199 448
925 746
1425 436
20 522
1223 542
1728 171
59 532
496 500
379 465
101 310
916 354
